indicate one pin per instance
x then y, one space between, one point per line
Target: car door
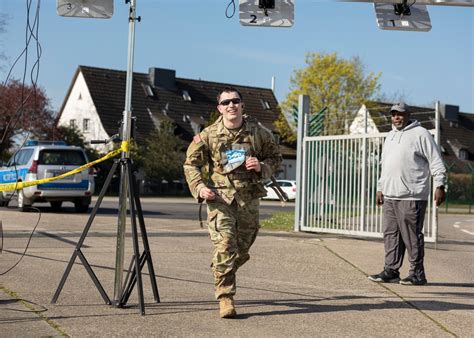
16 169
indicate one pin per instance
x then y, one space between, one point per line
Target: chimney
162 78
450 112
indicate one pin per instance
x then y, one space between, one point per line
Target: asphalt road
453 228
169 208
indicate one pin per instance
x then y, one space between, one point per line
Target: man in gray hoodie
409 156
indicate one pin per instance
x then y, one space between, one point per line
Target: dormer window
265 104
186 96
148 90
463 154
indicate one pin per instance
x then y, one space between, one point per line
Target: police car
44 159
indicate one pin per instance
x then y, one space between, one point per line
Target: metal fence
339 184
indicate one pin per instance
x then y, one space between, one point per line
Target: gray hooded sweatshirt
408 157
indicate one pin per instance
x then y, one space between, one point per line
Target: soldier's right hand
207 194
379 198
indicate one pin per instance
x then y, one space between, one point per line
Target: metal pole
434 214
303 110
364 174
471 190
126 131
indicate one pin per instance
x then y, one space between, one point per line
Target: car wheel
81 206
56 205
3 203
24 203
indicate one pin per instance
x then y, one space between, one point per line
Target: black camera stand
134 274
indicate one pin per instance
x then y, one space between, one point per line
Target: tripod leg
146 245
65 275
136 249
84 235
131 282
94 278
128 281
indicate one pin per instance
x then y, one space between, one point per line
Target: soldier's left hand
252 163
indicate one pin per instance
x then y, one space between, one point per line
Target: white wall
358 124
79 106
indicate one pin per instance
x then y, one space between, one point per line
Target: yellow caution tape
124 147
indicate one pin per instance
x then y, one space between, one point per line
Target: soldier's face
230 106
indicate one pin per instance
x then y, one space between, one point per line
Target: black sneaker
386 277
413 280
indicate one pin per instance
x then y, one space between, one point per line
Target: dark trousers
403 229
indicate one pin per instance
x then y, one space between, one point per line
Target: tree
73 137
213 117
162 154
284 129
24 110
332 82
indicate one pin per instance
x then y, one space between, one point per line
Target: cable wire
31 31
227 9
27 244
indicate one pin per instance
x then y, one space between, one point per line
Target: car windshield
61 157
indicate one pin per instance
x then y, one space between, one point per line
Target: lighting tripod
138 261
128 188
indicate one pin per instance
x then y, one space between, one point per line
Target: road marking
468 232
456 225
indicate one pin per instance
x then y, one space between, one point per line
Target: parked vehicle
287 186
44 159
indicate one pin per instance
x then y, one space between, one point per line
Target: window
61 157
72 123
265 104
186 96
21 158
86 124
148 90
463 154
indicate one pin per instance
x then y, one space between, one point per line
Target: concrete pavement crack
55 326
437 323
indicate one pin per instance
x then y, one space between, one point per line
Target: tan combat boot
227 308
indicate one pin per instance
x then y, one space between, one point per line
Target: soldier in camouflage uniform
240 153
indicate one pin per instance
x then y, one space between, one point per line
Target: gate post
303 110
363 190
434 211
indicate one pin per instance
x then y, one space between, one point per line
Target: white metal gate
337 186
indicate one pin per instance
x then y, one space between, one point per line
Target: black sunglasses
228 101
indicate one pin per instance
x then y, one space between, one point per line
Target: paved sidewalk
294 285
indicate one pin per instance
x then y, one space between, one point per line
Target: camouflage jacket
215 147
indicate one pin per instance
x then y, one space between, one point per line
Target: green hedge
460 188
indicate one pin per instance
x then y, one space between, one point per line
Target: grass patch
281 221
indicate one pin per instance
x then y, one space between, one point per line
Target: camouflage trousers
233 230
